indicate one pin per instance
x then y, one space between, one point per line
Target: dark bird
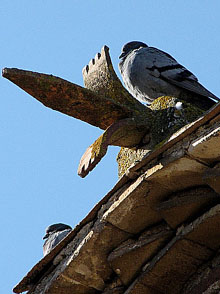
149 73
54 234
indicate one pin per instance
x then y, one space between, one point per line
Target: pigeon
149 73
54 234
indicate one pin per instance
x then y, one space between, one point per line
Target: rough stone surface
129 212
173 266
167 120
130 256
206 147
182 205
128 156
121 240
87 265
212 177
115 287
206 279
205 229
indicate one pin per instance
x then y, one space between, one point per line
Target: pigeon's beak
122 55
46 236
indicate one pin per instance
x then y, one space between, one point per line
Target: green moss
97 147
163 102
166 120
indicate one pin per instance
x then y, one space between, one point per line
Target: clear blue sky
40 149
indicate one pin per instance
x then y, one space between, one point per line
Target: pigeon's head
55 228
127 48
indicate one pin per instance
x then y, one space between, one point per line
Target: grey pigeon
149 73
54 234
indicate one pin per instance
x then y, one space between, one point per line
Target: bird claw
125 132
92 156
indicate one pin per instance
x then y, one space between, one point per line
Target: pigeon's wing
176 74
62 235
53 240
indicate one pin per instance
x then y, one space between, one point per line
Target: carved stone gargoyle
106 104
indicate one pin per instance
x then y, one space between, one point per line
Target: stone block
206 147
128 212
85 268
205 229
206 280
171 268
194 245
212 177
182 206
131 212
128 259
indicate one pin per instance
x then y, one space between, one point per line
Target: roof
152 231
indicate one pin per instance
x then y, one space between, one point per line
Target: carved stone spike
100 77
69 98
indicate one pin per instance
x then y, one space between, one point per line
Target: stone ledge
187 203
175 263
131 255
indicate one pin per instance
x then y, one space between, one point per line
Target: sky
40 148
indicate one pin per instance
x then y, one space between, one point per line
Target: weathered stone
212 177
128 259
115 287
141 289
171 268
117 290
214 288
69 98
187 133
62 285
86 265
183 205
100 77
128 156
167 120
205 229
205 280
126 132
46 264
129 212
174 176
73 244
206 147
181 258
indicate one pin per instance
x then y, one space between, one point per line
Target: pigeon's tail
203 102
195 87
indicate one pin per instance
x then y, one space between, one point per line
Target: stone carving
106 104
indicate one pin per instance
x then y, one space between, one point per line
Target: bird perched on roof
54 234
149 73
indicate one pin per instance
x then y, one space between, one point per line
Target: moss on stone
167 119
98 147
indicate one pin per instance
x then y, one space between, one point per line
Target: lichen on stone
97 147
169 115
